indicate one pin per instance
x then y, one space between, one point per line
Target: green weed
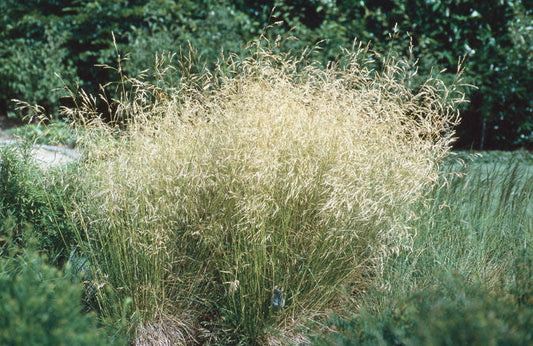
30 196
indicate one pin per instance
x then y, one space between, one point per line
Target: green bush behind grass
39 38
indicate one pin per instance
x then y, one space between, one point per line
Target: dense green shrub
39 305
30 71
33 49
41 38
453 311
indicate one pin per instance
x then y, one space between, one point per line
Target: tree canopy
42 38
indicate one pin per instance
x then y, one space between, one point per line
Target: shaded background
42 38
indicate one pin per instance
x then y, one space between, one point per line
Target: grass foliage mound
468 279
246 197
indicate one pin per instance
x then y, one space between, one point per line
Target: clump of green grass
249 195
476 222
468 278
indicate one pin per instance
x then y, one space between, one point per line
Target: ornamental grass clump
252 193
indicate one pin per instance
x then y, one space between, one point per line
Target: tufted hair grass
249 195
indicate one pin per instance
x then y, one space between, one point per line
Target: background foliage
42 37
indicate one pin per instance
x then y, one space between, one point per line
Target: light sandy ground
48 156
